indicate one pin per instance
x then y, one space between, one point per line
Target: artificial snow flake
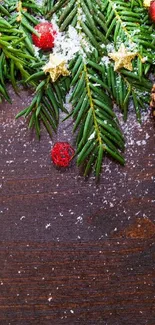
105 60
68 44
36 51
39 2
92 136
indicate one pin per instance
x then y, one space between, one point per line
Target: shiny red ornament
61 154
47 36
152 10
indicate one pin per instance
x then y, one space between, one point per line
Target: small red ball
47 36
61 154
152 10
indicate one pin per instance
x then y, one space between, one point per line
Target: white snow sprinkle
48 225
92 136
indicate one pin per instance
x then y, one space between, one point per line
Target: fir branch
124 23
118 21
132 26
98 131
94 83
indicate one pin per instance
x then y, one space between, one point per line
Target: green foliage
96 86
102 27
19 65
97 125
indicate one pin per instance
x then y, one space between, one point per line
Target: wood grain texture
89 283
73 251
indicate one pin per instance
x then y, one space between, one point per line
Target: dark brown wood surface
73 251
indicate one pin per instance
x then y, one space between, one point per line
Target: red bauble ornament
62 153
47 36
152 10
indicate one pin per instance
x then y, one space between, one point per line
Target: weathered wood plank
73 252
111 282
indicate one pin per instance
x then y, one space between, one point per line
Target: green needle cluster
102 26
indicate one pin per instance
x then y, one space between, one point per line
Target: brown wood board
73 251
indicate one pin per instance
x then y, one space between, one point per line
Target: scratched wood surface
73 251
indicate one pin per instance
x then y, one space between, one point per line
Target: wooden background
73 251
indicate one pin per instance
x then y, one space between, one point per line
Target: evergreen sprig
98 129
128 23
96 86
19 65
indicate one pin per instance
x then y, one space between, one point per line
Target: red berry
152 10
47 36
61 154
